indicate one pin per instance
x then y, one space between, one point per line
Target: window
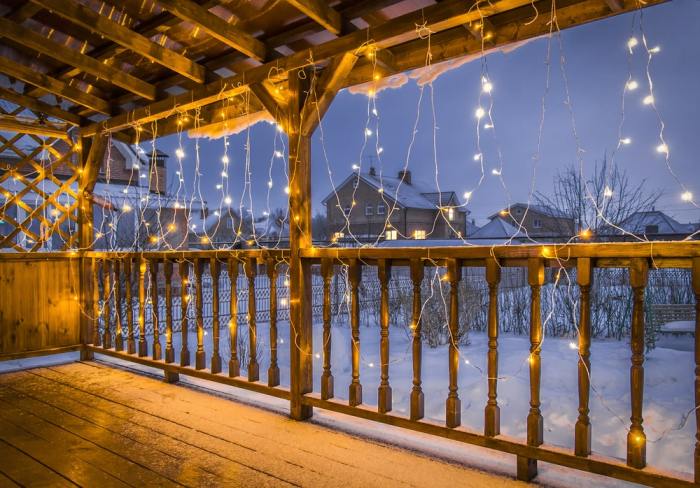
346 211
450 214
369 210
537 223
391 235
338 235
381 209
651 229
419 234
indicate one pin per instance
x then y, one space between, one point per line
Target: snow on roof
639 222
497 229
540 209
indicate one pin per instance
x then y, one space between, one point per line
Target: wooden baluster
384 390
107 294
143 345
168 272
527 468
184 271
636 439
327 376
96 312
200 359
130 341
492 412
215 356
157 348
234 366
696 290
119 333
453 406
273 372
582 440
417 397
355 275
251 265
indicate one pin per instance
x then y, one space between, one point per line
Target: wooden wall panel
38 306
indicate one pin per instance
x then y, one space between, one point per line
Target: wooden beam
89 19
38 106
319 10
264 93
327 87
32 40
13 124
408 55
52 85
216 27
614 5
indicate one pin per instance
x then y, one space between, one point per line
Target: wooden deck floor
89 424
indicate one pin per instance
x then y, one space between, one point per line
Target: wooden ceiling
120 65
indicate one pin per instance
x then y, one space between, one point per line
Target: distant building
364 203
653 224
537 221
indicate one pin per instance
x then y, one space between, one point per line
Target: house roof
540 209
638 223
497 229
417 194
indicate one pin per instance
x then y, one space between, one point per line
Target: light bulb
368 132
477 157
632 85
487 87
632 42
269 184
626 140
219 186
227 200
380 150
126 208
467 195
662 148
572 345
125 190
225 159
488 126
655 49
480 112
496 172
607 192
286 190
179 153
355 167
648 100
224 174
374 112
687 196
278 154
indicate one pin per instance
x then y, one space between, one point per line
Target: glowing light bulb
477 157
280 128
632 85
487 87
179 153
286 190
125 191
632 42
625 141
371 365
380 150
648 100
355 167
219 186
381 190
269 184
317 355
126 208
172 227
467 195
585 234
224 174
496 172
687 196
225 159
374 112
216 212
368 132
278 154
371 93
655 49
572 345
662 148
488 126
466 361
479 113
177 205
227 200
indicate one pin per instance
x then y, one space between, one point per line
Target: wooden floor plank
6 482
56 458
125 469
23 470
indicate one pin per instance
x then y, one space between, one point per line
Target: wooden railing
127 282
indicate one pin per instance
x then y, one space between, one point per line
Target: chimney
405 176
372 171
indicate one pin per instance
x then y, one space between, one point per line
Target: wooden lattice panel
38 189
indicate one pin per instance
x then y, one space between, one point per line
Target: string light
225 159
631 43
655 50
477 157
479 113
496 172
687 196
368 132
626 141
607 192
179 153
486 86
467 195
648 100
632 85
662 148
573 345
287 190
278 154
227 200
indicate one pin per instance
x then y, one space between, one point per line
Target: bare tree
600 200
320 228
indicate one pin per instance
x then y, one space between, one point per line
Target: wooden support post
128 275
527 468
696 291
215 356
453 406
155 318
636 438
492 412
118 333
384 391
168 272
354 276
143 345
582 439
107 298
251 266
184 270
327 376
200 359
417 397
300 299
96 310
273 372
234 366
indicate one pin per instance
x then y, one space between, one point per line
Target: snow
679 326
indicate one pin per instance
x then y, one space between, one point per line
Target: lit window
338 235
381 209
537 223
369 210
419 234
450 214
391 235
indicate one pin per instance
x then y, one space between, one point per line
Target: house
652 224
497 231
369 206
537 221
